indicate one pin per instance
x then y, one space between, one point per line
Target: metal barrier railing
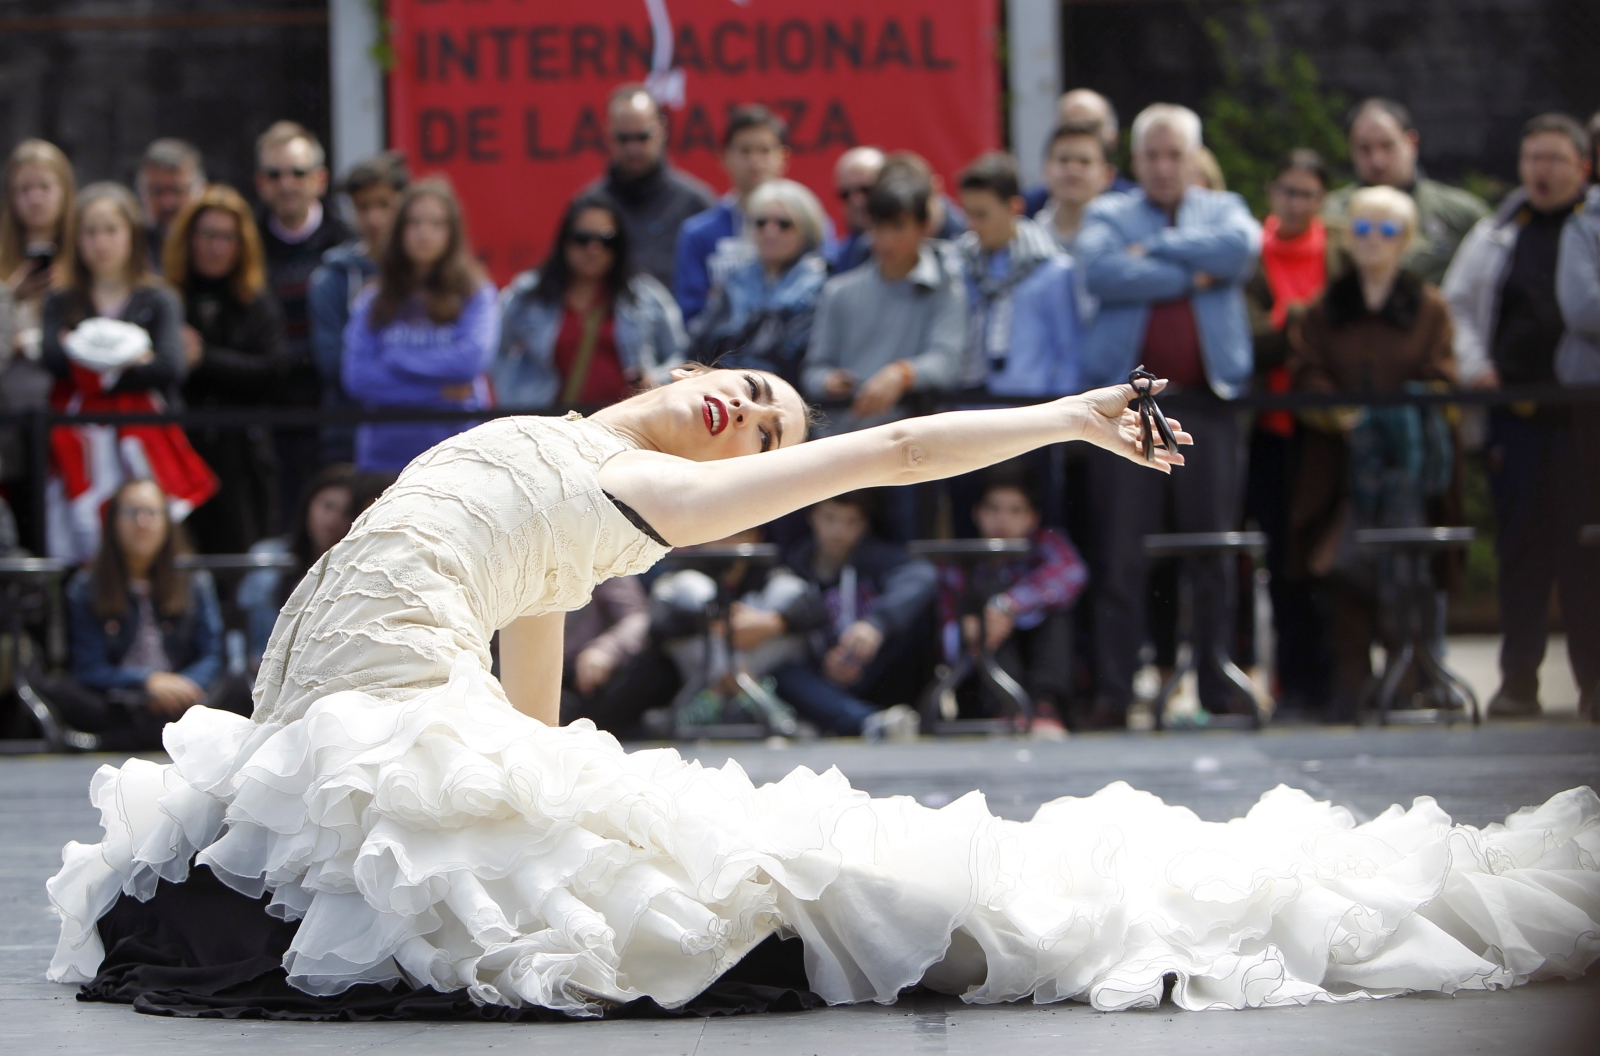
36 424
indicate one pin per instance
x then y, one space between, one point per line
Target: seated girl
145 637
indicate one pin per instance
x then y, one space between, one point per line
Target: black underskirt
201 949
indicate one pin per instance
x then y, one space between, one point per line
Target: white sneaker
899 723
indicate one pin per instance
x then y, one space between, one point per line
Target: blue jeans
821 700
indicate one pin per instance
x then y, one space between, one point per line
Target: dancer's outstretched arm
696 502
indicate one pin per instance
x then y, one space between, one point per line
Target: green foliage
1490 188
1271 101
382 50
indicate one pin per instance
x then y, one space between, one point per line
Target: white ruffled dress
422 830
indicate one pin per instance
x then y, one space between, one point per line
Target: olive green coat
1444 215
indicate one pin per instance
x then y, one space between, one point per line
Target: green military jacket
1444 213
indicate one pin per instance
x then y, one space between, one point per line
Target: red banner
507 97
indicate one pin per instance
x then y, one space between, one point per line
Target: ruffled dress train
422 832
451 842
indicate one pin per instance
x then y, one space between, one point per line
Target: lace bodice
503 521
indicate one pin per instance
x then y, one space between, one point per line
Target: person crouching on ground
145 637
876 597
1020 610
772 613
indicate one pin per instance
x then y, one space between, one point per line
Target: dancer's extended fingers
1178 433
1133 450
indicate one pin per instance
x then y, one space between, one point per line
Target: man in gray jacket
1509 330
896 325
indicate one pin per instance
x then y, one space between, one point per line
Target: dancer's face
705 415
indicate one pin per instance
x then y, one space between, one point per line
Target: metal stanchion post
39 471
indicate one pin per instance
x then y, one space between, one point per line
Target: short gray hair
1108 112
172 155
1180 119
803 207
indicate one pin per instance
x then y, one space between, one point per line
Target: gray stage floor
1477 775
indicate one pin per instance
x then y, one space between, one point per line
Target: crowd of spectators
180 294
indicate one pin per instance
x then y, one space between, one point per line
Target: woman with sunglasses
424 334
1377 328
760 315
434 830
585 328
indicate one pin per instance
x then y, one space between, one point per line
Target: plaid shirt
1050 578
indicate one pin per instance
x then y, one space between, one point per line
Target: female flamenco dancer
404 819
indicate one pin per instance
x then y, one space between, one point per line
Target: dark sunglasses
625 138
847 193
278 174
1151 420
1294 192
1361 227
589 238
783 223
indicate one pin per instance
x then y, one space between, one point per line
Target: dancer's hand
1107 421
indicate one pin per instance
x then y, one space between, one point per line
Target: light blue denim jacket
648 331
1214 233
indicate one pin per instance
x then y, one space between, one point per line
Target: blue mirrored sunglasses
1361 227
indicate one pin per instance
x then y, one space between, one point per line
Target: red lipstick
715 413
